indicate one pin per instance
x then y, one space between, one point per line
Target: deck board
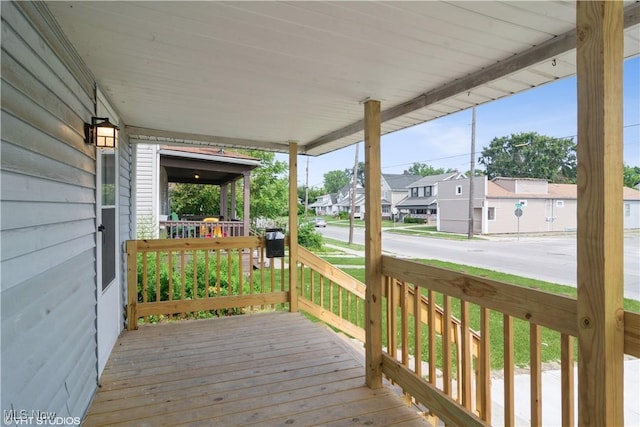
259 369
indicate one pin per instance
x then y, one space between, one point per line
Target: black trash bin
274 238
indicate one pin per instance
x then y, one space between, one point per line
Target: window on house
414 192
458 189
491 214
386 209
559 203
627 209
428 191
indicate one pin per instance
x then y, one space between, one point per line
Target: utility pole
472 171
354 188
306 190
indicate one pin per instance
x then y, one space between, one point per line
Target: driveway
548 258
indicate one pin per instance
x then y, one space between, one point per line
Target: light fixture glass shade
101 132
106 136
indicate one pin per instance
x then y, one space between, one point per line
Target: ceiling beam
158 136
554 47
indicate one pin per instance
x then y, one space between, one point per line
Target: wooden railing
478 302
201 277
194 229
330 294
337 299
436 322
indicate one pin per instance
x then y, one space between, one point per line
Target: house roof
417 202
556 191
260 74
205 165
400 181
432 179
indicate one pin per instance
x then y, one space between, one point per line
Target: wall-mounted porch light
101 132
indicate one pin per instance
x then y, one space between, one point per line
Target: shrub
309 237
343 215
409 220
229 283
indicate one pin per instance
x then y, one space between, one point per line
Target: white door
108 292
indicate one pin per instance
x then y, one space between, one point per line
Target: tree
269 186
335 180
531 155
195 199
631 176
424 169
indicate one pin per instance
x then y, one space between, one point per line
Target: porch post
600 232
373 244
232 213
293 226
223 200
246 188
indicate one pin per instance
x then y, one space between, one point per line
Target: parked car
319 222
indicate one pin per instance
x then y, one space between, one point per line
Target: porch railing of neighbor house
436 322
193 229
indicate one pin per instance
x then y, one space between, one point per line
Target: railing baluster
340 302
312 287
229 272
206 275
145 277
417 328
465 348
218 270
536 375
195 274
157 275
509 400
431 319
183 277
240 271
262 268
404 322
391 315
446 347
567 380
170 255
322 292
484 368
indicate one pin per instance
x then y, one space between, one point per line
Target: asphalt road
548 258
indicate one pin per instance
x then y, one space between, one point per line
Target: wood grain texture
263 369
600 229
293 225
373 244
443 406
553 311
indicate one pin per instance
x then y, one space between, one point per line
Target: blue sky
549 110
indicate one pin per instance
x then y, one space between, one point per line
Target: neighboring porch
272 368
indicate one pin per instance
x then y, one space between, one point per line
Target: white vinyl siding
48 289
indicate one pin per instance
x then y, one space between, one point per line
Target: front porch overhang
311 100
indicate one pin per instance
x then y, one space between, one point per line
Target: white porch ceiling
259 74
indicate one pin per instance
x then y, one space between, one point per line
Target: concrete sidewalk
552 394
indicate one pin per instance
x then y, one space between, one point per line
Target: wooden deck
261 369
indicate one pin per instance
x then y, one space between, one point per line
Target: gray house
545 207
422 196
394 190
